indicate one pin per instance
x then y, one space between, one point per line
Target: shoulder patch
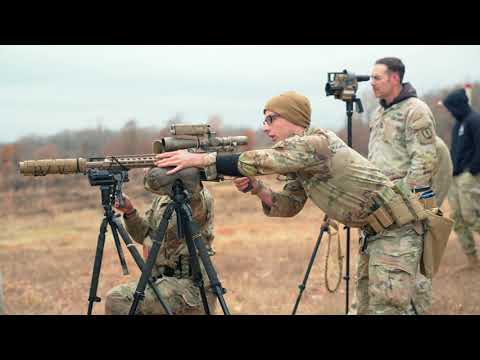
422 123
426 136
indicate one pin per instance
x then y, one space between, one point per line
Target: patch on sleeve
426 136
422 124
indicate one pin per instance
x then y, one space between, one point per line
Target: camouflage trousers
181 295
387 278
422 298
464 200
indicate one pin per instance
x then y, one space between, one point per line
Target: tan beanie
292 107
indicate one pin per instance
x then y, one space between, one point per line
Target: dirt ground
48 242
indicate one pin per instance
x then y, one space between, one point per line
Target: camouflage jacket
172 249
340 181
402 140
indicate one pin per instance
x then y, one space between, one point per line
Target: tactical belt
427 197
403 208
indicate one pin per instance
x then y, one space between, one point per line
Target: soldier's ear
395 77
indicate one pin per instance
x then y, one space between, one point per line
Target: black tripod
324 227
349 106
110 183
188 229
343 86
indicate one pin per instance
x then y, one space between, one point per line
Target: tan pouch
435 241
375 224
383 217
399 211
417 207
414 205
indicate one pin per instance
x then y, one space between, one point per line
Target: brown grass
48 243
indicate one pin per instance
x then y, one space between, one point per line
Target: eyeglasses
269 119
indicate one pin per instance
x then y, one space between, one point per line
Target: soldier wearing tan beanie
337 179
292 106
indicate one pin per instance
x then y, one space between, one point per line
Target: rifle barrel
80 165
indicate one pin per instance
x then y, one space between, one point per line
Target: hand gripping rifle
110 172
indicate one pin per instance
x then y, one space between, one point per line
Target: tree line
132 139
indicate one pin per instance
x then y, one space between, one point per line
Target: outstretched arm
291 155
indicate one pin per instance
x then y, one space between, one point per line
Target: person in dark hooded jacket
464 194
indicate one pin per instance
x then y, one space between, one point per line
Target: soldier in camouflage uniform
341 182
171 270
403 144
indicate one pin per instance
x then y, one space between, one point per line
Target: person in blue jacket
464 194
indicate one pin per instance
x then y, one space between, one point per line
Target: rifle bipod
110 186
190 231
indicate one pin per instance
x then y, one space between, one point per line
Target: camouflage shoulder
311 140
419 114
295 142
315 131
319 141
417 105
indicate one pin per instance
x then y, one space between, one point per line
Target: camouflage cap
292 107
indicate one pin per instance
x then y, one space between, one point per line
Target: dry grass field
48 242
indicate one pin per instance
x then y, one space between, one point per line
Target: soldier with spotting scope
172 273
403 144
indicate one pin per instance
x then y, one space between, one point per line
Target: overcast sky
47 89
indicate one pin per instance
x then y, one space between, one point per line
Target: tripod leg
310 264
186 219
118 246
207 263
157 238
117 226
347 272
349 106
96 267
